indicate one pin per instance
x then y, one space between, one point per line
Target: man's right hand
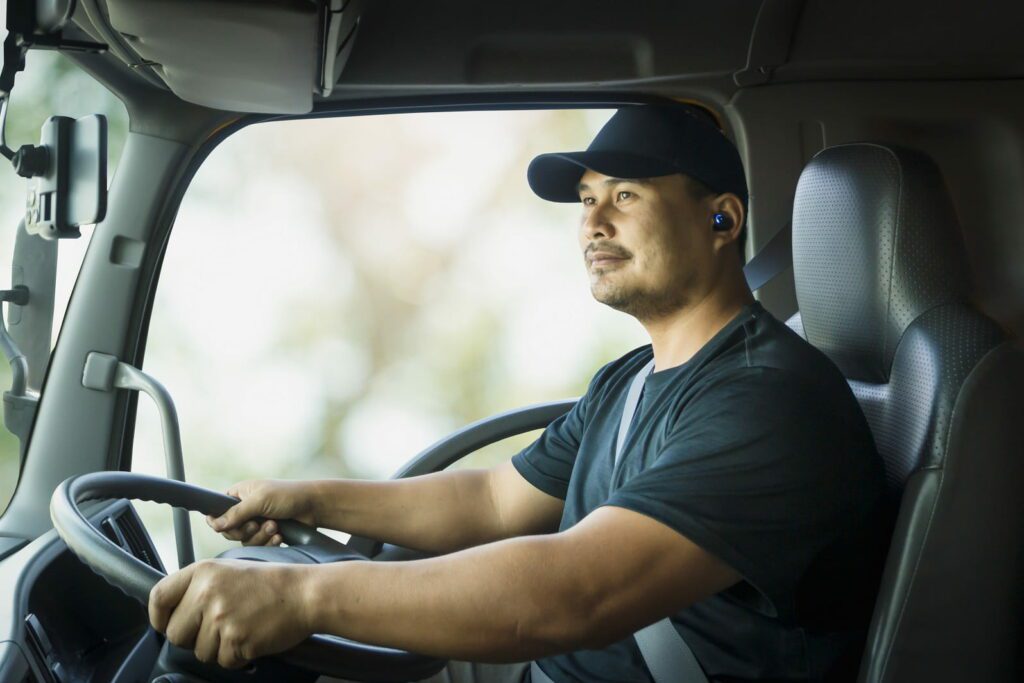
269 499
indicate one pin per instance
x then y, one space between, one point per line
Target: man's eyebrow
636 181
615 181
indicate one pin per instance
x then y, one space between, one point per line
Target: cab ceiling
656 46
406 45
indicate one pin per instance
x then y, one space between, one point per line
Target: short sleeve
762 470
547 463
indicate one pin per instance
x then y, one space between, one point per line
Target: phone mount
67 170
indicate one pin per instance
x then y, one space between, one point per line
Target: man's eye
624 194
587 201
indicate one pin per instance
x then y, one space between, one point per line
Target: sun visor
267 56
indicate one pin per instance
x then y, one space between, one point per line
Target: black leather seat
883 289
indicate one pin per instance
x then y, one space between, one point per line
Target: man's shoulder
757 383
770 343
762 355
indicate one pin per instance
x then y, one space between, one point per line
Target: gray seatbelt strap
774 258
666 654
537 675
668 657
628 410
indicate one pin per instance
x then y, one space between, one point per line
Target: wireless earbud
721 222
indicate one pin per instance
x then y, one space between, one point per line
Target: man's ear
730 206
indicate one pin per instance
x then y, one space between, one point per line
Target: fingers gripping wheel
327 655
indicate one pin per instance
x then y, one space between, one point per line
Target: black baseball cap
645 142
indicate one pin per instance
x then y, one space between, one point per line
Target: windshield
338 294
50 85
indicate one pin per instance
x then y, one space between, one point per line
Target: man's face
647 244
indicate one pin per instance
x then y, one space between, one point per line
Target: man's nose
597 222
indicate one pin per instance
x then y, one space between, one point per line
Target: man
744 502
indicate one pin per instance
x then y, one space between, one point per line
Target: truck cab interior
884 150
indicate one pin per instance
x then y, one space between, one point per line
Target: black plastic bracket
23 26
770 41
18 295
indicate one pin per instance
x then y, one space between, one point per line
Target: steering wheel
323 654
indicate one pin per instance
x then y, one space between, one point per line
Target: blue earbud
721 222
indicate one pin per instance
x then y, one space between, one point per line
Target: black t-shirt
756 450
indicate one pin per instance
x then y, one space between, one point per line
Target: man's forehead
593 179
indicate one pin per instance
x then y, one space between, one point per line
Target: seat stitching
887 365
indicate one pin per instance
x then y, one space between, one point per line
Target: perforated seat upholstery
883 289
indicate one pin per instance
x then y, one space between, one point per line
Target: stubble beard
643 305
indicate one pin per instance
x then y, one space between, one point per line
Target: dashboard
61 622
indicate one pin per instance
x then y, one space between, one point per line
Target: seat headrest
876 243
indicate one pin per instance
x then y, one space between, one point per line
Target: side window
339 294
50 85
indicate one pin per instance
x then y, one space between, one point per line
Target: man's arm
441 512
513 600
524 598
436 513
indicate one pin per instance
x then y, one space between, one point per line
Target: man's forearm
435 513
510 601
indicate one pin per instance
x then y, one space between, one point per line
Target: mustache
607 248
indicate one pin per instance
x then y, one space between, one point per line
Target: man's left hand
230 611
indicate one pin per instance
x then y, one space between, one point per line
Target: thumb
238 514
166 595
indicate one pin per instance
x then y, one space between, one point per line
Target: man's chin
618 300
641 307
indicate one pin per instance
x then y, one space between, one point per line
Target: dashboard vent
125 530
138 544
41 651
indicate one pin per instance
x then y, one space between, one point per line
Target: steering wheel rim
319 653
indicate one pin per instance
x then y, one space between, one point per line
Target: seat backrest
883 289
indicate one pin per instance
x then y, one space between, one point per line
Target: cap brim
555 176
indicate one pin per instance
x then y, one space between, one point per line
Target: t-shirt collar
659 378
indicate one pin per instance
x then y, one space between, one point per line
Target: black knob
31 161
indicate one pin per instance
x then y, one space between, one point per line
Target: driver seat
883 289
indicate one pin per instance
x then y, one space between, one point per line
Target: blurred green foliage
8 450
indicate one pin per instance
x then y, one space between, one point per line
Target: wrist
319 592
316 502
307 596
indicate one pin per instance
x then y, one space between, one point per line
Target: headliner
710 50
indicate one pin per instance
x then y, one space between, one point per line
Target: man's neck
676 337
